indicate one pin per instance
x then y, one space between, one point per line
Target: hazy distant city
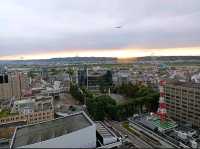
99 74
147 102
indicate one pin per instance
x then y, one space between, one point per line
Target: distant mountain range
67 60
171 58
103 60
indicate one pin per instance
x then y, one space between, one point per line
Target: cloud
43 26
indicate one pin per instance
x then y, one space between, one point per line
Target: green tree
70 71
139 96
76 92
101 107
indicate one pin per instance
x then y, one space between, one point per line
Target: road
132 138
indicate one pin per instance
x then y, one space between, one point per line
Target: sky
37 29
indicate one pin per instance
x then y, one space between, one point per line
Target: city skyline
48 29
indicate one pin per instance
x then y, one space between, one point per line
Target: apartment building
183 102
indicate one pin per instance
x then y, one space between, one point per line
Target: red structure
162 112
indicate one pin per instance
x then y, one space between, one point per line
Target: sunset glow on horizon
118 53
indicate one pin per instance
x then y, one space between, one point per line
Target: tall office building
4 86
82 77
44 74
93 79
183 102
12 85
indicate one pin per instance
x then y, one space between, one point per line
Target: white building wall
109 140
84 138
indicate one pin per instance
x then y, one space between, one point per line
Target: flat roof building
73 131
105 135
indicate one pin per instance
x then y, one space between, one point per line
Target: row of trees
77 93
98 107
140 98
101 107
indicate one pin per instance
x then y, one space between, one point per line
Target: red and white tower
162 112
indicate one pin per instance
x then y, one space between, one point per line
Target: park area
120 99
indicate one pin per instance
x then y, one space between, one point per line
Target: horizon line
98 57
